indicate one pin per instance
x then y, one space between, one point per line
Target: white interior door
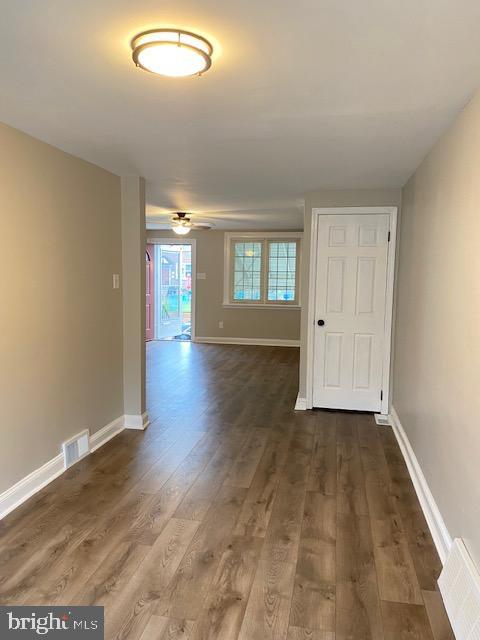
350 309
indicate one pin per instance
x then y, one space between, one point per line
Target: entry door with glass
173 283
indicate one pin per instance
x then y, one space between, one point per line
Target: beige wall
60 319
332 198
437 361
237 323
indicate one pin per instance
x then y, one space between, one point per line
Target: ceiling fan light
172 52
180 229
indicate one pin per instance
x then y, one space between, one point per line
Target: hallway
233 516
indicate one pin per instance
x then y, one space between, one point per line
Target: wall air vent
76 448
459 585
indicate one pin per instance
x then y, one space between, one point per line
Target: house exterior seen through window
262 270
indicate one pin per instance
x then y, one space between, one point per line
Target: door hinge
388 239
381 395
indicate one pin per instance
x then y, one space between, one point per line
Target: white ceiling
301 95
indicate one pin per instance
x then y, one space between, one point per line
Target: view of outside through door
169 291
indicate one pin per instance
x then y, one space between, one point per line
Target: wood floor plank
159 628
197 501
257 508
283 532
351 498
372 454
357 603
313 602
397 579
268 608
420 543
437 616
300 633
243 469
163 468
162 506
405 622
224 607
156 625
392 451
56 569
188 588
323 471
128 612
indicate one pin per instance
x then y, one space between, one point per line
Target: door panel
350 296
335 285
364 299
362 359
333 360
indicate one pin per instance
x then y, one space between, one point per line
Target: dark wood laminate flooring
233 517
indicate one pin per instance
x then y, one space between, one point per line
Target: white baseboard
106 433
301 404
436 524
31 484
35 481
261 342
136 421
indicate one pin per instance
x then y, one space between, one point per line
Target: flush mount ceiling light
172 52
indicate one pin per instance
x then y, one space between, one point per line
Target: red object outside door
149 289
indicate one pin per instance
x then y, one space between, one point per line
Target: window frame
265 238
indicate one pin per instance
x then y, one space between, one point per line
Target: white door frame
324 211
193 243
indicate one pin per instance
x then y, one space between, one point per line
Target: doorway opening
169 291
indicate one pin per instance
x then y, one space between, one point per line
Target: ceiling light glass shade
172 52
181 229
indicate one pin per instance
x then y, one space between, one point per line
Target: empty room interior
242 403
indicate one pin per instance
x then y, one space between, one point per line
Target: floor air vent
459 585
76 448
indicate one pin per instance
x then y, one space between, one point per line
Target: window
262 269
282 271
247 271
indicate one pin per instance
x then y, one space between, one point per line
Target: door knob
320 323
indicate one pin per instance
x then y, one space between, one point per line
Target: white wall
437 348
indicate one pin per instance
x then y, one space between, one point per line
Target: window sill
241 305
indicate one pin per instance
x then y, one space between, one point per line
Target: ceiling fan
181 224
